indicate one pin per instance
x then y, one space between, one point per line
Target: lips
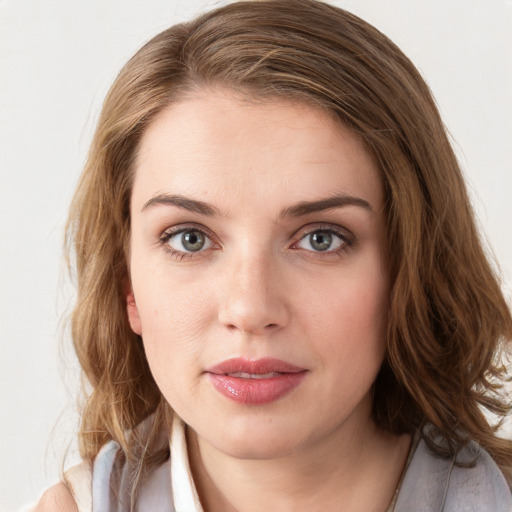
255 381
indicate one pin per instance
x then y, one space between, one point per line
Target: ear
132 311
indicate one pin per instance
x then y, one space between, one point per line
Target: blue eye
322 240
188 241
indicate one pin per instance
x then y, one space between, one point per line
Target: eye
187 240
323 240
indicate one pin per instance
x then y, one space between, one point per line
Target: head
446 314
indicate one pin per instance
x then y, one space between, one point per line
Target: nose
254 295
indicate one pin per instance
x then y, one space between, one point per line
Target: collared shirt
429 483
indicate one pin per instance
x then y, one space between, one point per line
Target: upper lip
255 366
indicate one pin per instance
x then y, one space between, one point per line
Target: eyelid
172 231
344 234
188 226
322 226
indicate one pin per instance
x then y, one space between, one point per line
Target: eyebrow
180 201
329 203
298 210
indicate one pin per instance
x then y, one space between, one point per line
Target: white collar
184 491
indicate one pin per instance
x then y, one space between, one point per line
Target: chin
254 441
245 449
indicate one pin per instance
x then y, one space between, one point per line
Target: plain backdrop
57 60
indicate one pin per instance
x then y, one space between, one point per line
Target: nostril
233 327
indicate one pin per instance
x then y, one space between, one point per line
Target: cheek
350 316
172 329
357 352
358 299
174 315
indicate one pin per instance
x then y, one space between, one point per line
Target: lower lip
256 391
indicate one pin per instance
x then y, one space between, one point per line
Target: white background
57 59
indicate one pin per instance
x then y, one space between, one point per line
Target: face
258 272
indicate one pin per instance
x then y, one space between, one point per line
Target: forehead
219 146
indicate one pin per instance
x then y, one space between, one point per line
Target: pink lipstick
259 381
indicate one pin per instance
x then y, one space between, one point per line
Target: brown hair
448 320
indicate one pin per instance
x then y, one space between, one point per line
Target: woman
278 269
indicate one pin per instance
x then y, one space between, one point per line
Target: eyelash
170 233
347 240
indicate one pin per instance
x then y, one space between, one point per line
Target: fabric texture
429 483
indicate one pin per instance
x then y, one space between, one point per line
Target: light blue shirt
430 484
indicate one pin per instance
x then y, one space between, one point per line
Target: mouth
252 368
243 375
253 382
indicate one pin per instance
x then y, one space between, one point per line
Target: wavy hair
448 320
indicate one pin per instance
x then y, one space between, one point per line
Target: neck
360 468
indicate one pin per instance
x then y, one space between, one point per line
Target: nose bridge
253 299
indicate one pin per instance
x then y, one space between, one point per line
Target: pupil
192 240
321 240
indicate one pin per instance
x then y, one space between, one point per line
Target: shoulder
73 494
481 483
57 499
472 482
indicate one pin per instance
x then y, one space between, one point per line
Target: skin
57 499
259 288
